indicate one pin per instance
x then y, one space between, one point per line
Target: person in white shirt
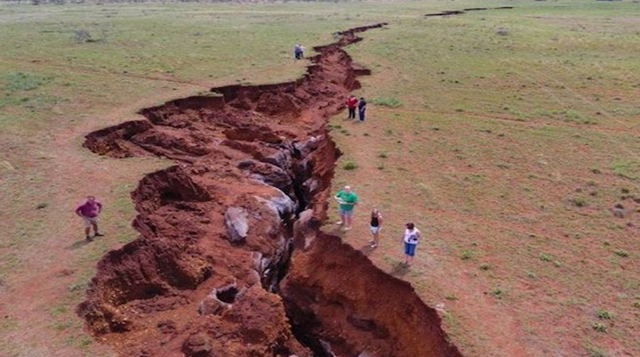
411 238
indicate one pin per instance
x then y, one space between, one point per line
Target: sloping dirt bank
212 272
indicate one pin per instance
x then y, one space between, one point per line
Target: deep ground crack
214 271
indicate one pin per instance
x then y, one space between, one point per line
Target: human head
362 98
375 212
410 225
91 198
347 189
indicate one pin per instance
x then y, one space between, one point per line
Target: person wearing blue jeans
411 238
362 107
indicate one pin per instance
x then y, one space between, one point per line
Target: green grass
387 102
350 165
466 118
523 121
627 169
19 81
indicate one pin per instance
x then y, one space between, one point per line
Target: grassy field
507 136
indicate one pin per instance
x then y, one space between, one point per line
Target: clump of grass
596 352
77 286
621 253
600 327
387 102
498 293
380 167
383 155
58 310
451 297
545 257
531 275
466 255
636 304
627 169
604 315
20 81
485 266
557 264
350 165
345 132
579 201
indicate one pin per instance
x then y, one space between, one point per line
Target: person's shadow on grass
399 269
366 249
79 244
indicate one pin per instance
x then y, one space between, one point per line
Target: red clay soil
214 271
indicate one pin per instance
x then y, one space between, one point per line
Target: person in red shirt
89 211
352 104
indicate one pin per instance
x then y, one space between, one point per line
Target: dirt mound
218 230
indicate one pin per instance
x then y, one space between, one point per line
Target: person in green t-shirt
347 200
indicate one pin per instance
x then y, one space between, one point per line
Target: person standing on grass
347 200
352 104
298 51
89 211
411 238
362 107
375 226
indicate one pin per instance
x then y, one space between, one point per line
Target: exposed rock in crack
463 11
212 272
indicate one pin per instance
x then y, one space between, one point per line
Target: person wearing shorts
89 211
347 199
375 226
411 238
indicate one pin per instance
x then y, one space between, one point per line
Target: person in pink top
89 211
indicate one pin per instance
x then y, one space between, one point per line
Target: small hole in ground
227 294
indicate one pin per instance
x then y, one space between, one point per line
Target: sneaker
339 223
374 246
88 238
346 228
98 234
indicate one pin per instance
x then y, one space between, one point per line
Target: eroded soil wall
212 272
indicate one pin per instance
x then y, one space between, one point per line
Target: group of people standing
353 103
347 200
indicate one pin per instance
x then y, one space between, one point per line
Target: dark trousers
299 55
361 115
352 113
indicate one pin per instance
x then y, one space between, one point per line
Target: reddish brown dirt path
218 231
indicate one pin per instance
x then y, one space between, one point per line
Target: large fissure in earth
230 260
